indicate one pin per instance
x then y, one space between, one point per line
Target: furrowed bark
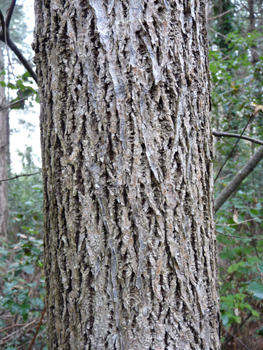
130 249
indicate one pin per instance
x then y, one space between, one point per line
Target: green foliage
23 90
237 86
25 198
22 292
27 260
256 289
21 259
241 254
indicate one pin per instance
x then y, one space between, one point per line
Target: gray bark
4 150
130 249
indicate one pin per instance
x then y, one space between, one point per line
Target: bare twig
261 274
240 176
232 150
225 58
222 14
15 102
17 176
241 222
21 58
228 134
237 339
9 13
12 326
2 20
5 37
224 36
39 324
242 237
227 338
7 337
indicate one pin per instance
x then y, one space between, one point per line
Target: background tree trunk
4 154
251 28
130 249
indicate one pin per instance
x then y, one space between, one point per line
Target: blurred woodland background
235 31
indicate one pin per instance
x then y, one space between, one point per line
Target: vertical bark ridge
130 249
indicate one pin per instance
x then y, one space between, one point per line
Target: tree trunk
130 249
251 28
4 150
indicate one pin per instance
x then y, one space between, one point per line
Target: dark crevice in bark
69 279
91 294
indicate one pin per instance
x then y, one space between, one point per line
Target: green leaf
37 303
26 75
257 289
227 255
253 212
2 83
255 313
224 318
213 67
252 260
24 310
12 86
9 286
260 266
28 269
15 308
234 267
8 303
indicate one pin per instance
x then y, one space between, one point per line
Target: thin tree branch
224 36
7 337
228 134
232 150
21 58
12 326
5 37
222 14
2 20
237 339
227 338
225 234
239 223
39 324
245 7
15 102
17 176
9 13
240 176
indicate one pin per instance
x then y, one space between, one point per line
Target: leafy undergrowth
22 293
240 242
21 264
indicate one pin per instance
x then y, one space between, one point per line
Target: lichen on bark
130 249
